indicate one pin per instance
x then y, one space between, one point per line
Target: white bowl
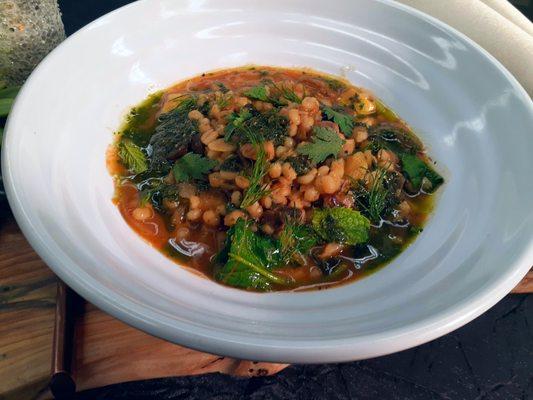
473 115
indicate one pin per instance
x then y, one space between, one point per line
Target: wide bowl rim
411 334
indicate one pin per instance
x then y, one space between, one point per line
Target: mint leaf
132 156
325 143
192 166
341 225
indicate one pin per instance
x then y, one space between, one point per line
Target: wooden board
107 350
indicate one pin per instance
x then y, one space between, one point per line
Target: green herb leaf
222 87
296 239
155 191
192 166
386 136
132 156
173 134
290 95
341 225
256 190
417 170
325 143
345 121
260 93
235 121
249 259
257 93
334 84
284 93
301 164
254 127
379 200
269 126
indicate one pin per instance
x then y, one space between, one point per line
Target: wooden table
107 350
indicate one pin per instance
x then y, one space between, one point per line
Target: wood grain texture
107 350
526 285
27 295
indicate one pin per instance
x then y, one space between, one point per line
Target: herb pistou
272 179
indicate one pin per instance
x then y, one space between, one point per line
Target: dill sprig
287 94
257 189
376 196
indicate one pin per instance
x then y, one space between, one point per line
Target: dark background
490 358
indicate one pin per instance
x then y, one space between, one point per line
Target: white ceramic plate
471 112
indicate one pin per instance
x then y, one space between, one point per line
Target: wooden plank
27 298
110 351
526 285
107 350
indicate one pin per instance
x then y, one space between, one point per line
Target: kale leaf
232 164
249 259
301 164
173 135
155 190
266 126
416 170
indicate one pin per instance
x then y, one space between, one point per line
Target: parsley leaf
341 225
249 259
257 93
132 156
325 143
344 120
284 95
192 166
